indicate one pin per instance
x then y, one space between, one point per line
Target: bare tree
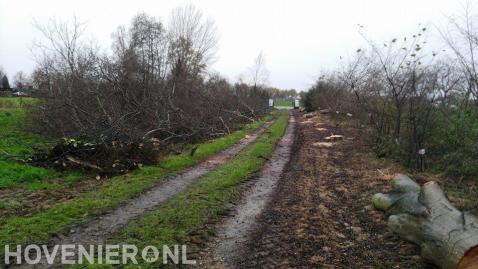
258 73
21 80
399 88
149 43
69 68
193 41
155 85
462 38
398 62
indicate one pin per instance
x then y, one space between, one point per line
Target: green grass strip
285 103
58 218
16 142
202 202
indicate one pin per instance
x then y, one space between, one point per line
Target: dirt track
320 215
232 234
97 230
316 214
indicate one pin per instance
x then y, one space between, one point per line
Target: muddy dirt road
319 214
226 249
97 230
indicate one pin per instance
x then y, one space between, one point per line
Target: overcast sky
299 38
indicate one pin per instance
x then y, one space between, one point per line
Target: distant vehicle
296 104
19 93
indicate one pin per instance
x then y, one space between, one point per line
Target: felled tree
447 236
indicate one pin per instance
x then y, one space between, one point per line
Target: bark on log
423 215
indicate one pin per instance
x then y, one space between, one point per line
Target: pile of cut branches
103 159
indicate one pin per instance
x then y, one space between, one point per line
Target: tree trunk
423 215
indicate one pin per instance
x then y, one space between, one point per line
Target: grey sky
299 38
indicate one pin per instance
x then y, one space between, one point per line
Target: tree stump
423 215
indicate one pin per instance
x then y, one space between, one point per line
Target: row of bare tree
420 105
154 84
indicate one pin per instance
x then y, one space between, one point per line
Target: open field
284 103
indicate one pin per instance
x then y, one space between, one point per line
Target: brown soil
321 215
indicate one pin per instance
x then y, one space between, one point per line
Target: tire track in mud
97 230
227 248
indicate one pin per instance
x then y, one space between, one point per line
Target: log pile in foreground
423 215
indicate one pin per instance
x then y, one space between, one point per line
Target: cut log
333 138
308 121
423 215
309 115
83 163
322 144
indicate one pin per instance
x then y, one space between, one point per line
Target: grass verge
58 218
286 103
202 202
18 143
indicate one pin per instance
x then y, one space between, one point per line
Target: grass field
57 219
16 143
288 103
